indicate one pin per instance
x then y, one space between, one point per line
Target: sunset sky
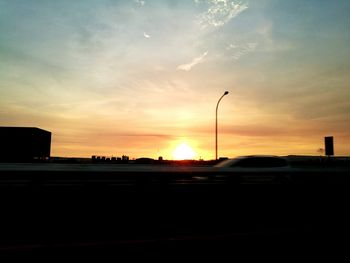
140 78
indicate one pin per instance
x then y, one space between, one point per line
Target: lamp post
216 125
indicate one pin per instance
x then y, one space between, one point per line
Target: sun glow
183 152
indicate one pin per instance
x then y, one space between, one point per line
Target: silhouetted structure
21 144
145 160
329 145
216 125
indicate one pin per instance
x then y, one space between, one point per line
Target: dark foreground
226 217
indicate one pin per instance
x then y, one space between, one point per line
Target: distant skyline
141 78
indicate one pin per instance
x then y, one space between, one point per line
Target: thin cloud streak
195 61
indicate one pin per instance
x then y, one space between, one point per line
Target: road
63 207
93 175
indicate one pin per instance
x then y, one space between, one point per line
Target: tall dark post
216 125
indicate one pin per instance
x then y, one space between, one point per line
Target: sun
183 152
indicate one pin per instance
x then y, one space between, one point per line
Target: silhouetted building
18 144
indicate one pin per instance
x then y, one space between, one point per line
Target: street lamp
216 125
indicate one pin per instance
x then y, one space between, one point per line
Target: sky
141 77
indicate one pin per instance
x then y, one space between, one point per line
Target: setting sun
183 152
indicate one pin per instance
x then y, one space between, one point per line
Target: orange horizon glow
229 146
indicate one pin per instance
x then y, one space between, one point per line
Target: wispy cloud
146 35
195 61
141 2
237 51
220 12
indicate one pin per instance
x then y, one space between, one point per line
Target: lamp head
226 92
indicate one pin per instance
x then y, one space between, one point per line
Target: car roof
258 155
232 160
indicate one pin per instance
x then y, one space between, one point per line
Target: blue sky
140 77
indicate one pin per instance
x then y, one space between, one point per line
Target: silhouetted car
255 169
